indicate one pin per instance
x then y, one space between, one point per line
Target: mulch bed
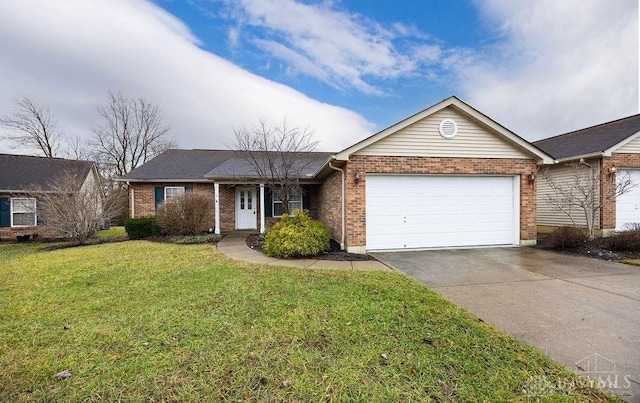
597 248
254 241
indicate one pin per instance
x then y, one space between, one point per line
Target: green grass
138 320
113 232
633 262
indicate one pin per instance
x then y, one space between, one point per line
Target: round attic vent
448 128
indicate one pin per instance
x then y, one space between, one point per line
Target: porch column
262 208
216 206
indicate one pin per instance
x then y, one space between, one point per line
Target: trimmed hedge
296 236
142 227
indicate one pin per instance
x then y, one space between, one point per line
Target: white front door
246 207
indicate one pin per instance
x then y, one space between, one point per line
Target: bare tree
71 206
277 153
583 192
33 127
131 132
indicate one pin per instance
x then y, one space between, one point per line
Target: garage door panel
439 211
628 204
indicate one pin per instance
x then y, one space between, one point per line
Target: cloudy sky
345 68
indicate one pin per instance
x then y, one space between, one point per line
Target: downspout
133 200
343 216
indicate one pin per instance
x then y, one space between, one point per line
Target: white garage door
628 204
412 211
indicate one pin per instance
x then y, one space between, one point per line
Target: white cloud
558 66
67 54
342 49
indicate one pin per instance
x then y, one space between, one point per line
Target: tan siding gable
632 147
547 214
422 139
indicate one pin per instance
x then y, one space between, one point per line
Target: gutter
598 154
343 202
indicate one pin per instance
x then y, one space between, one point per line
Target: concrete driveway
583 312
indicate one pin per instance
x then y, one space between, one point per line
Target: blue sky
347 69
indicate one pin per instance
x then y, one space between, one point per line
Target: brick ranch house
612 151
448 176
19 209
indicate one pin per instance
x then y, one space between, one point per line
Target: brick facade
619 161
356 197
144 194
330 204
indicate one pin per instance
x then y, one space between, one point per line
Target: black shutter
306 203
5 213
188 188
159 196
39 219
268 202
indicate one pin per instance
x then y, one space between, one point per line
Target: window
173 191
295 202
23 212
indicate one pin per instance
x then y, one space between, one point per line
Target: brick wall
330 204
356 197
42 231
620 161
145 201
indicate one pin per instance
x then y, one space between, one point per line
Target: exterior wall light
357 176
531 177
612 170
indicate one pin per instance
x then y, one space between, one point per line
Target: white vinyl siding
632 147
431 211
423 139
547 214
23 212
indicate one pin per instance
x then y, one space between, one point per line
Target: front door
246 217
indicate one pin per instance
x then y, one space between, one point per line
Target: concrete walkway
234 246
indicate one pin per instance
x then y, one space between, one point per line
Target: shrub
142 227
186 214
629 239
567 238
296 236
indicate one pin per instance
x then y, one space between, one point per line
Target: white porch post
216 197
262 208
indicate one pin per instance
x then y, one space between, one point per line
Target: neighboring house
448 176
19 209
612 150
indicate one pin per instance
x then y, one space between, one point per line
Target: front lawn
138 320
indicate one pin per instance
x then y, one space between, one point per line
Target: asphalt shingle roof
590 140
20 171
205 164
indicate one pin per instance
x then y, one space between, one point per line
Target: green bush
142 227
296 236
567 238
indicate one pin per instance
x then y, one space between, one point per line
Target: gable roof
202 166
462 107
598 139
22 171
